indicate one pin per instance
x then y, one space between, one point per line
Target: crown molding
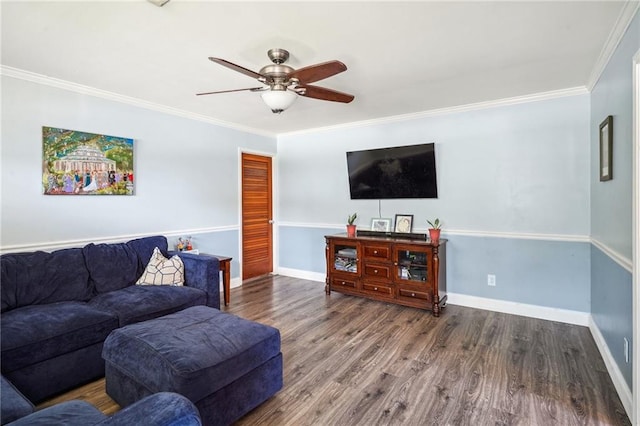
91 91
535 97
615 36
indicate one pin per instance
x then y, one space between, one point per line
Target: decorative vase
351 230
434 235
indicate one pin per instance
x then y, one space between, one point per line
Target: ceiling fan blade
325 94
235 67
251 89
318 72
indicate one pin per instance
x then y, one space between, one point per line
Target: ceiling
402 57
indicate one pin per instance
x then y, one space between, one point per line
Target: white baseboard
624 392
533 311
235 282
303 275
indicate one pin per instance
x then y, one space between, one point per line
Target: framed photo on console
381 224
404 223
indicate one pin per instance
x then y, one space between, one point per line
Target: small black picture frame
380 224
606 149
404 223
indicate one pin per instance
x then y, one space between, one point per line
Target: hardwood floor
351 361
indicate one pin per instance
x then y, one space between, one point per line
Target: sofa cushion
144 248
140 303
39 332
39 278
118 265
111 266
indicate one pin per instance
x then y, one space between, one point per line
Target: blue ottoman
224 364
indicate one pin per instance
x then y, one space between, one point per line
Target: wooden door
257 217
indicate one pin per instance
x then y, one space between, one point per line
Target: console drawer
377 271
382 290
337 282
378 252
414 294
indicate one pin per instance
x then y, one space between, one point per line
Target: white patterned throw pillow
162 271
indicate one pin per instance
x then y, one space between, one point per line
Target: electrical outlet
626 350
491 280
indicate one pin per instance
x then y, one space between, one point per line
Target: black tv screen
397 172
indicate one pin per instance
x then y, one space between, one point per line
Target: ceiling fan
283 84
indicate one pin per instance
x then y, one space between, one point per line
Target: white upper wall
186 171
520 169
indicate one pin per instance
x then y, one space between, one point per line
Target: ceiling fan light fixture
279 100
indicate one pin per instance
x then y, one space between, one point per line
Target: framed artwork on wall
381 224
606 149
404 223
81 163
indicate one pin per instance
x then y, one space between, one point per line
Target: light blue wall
611 306
223 243
519 171
302 248
182 172
611 212
537 272
612 95
520 168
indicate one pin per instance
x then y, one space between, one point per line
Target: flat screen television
397 172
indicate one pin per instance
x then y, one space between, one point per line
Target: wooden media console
408 272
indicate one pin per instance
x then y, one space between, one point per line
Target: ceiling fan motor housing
278 56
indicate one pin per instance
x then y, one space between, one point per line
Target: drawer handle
375 288
343 283
375 252
375 271
413 295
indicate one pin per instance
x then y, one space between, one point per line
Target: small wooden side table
225 267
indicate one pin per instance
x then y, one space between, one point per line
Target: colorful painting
80 163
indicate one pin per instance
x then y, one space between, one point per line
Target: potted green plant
351 227
434 231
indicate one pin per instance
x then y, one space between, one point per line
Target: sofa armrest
13 404
159 409
203 272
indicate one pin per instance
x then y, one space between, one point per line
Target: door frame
274 205
635 242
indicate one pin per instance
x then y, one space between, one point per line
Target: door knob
271 221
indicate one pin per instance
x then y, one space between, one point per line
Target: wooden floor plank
352 361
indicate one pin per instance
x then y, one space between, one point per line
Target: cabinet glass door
411 265
345 257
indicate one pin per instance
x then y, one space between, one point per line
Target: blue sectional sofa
58 308
160 409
